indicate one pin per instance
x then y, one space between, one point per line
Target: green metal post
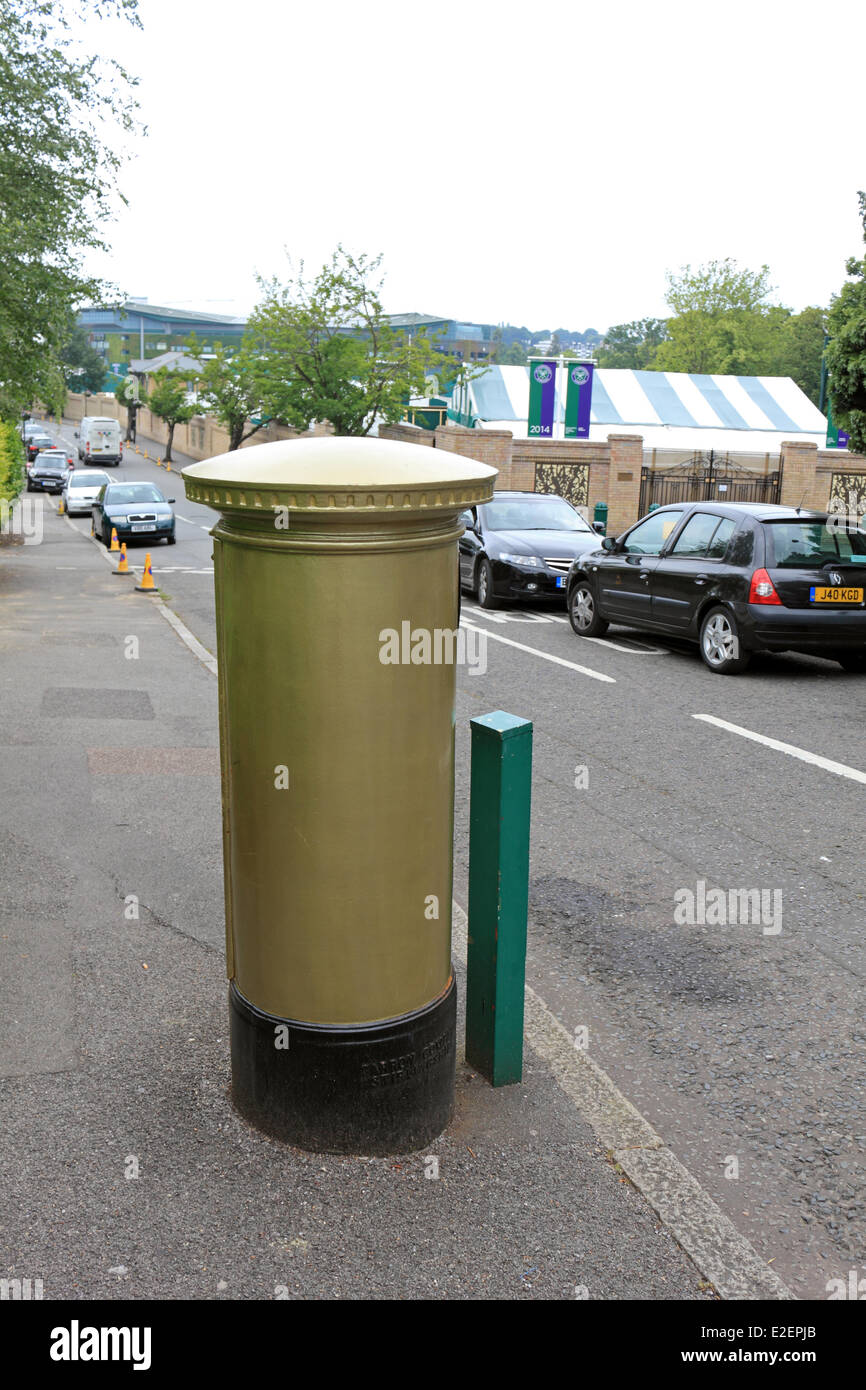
498 894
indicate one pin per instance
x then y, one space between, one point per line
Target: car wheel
720 643
484 585
583 613
852 661
171 539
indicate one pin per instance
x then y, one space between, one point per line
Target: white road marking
643 649
841 769
493 617
545 656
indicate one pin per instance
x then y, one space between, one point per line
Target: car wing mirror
609 543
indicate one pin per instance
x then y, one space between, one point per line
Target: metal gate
707 477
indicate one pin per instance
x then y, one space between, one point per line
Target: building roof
669 409
176 361
158 311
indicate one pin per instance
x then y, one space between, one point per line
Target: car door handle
701 578
645 574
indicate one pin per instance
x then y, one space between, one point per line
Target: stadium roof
670 409
158 311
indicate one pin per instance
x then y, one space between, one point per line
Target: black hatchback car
521 545
736 579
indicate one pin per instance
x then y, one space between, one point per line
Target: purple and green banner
578 399
542 398
836 438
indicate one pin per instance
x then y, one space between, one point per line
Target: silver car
82 488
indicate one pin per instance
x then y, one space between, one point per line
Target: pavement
124 1170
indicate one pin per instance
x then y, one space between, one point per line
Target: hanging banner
542 398
578 399
836 439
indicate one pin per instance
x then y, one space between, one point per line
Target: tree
800 349
131 394
66 114
721 321
846 350
168 400
510 355
323 349
632 344
228 390
83 367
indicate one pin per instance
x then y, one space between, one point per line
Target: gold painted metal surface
329 881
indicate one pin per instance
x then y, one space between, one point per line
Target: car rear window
811 544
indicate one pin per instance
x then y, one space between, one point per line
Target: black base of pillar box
375 1089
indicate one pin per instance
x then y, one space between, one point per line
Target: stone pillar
626 462
798 461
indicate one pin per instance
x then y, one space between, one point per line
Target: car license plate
560 581
142 526
837 595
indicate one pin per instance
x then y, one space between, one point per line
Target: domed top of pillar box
359 476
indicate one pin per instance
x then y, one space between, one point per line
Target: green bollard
498 895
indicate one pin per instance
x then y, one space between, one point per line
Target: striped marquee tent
672 410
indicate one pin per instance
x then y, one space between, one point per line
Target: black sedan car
136 511
735 578
521 545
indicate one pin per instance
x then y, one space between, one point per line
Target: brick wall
202 438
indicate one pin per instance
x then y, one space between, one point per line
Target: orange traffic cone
147 585
60 507
168 465
114 543
122 566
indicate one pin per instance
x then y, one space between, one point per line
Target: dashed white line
545 656
828 764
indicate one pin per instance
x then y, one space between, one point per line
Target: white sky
542 165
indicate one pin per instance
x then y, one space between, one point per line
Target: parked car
36 444
521 545
48 472
133 510
99 440
83 487
735 578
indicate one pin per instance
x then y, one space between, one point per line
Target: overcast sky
534 164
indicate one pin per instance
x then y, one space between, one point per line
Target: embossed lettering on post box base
378 1089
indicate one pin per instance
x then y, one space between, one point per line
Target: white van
99 440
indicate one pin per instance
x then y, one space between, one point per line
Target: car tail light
762 589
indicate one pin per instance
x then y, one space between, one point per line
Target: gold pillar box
336 573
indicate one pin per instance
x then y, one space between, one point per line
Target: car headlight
530 562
